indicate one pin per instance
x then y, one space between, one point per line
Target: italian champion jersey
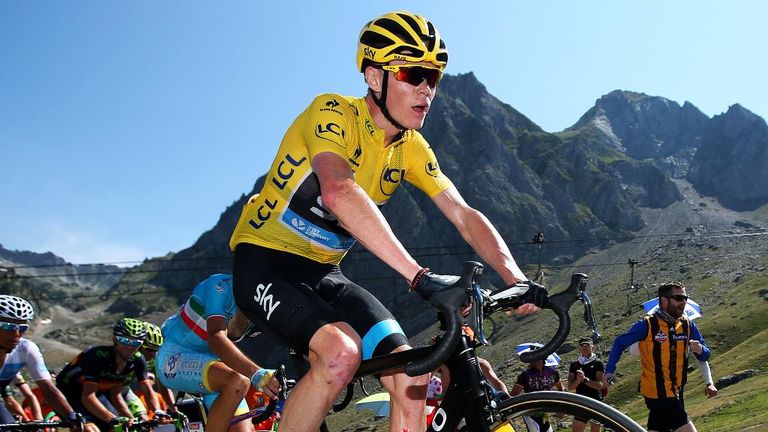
211 297
288 214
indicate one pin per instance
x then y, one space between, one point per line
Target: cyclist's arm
54 397
14 407
226 350
34 404
149 395
118 401
636 333
91 402
167 395
358 214
478 231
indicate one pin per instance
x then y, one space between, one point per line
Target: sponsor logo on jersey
432 168
265 299
369 127
171 366
325 131
390 180
331 106
679 337
660 337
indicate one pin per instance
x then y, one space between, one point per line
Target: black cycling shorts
293 297
665 414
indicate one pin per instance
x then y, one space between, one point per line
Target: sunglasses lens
128 341
415 75
21 328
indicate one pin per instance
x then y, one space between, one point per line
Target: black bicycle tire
567 403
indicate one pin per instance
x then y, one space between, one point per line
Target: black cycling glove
536 294
426 283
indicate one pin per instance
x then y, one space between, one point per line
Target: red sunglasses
414 75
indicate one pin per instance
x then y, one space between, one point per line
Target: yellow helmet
400 36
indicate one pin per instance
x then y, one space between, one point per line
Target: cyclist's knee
222 379
336 353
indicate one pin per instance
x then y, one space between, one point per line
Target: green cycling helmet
154 337
131 328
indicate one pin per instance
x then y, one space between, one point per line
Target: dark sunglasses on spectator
135 343
414 75
678 297
9 326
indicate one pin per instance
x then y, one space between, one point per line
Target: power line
462 250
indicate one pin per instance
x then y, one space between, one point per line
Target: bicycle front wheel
555 409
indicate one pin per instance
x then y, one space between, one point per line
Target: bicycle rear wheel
558 409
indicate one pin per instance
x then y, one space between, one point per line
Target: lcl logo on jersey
432 168
390 180
322 131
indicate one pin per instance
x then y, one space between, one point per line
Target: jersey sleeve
216 297
696 335
423 170
635 334
327 125
35 363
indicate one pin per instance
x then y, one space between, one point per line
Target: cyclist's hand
427 283
120 424
264 380
76 422
162 416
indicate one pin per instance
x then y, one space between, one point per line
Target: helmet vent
396 29
375 40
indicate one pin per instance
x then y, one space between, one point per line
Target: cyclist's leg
231 388
381 335
203 373
276 291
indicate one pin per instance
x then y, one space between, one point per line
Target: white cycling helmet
16 308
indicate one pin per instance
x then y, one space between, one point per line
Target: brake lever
478 299
589 317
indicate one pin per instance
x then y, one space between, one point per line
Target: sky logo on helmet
368 52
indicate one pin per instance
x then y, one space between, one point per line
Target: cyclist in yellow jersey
338 162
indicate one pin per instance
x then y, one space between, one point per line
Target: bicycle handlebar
484 302
448 302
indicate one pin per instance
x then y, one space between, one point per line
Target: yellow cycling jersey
664 353
288 214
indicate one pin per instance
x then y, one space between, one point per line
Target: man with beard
664 340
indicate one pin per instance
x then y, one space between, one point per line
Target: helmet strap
382 104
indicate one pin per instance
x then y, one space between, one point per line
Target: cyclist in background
340 160
149 349
17 353
198 356
107 370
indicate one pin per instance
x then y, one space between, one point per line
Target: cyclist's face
10 338
408 103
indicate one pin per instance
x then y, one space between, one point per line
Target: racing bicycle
469 402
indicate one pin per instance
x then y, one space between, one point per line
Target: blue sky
127 127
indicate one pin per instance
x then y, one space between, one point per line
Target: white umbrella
552 360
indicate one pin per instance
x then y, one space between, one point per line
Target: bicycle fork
466 397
